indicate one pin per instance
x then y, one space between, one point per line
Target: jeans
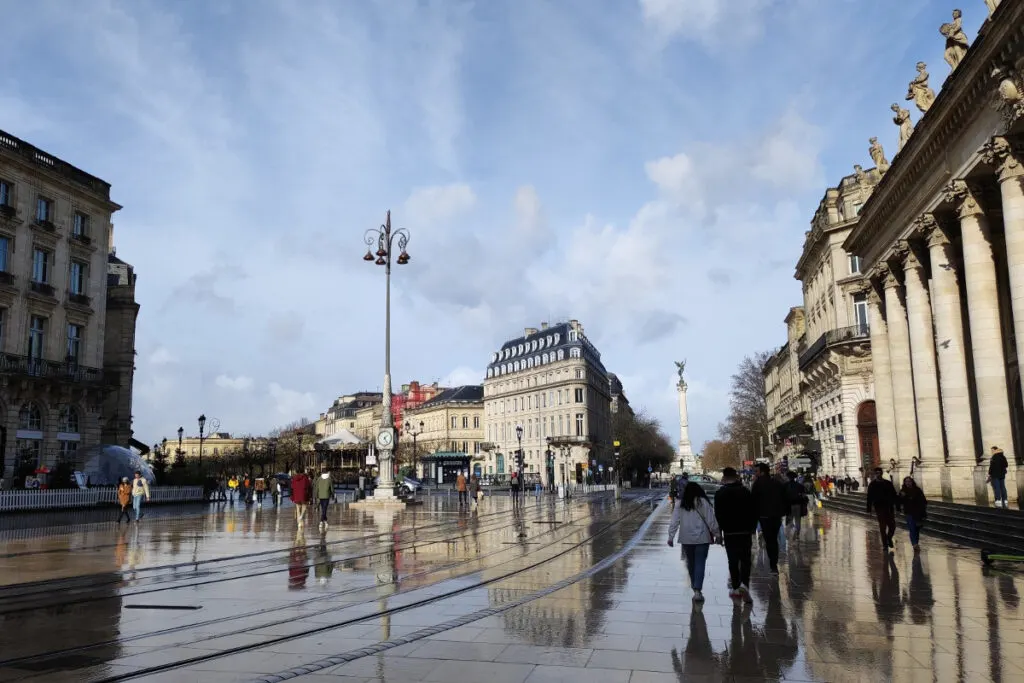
463 498
300 512
696 558
259 496
770 533
794 514
886 525
325 503
137 506
738 548
124 513
914 527
999 489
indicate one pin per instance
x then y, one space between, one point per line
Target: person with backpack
261 490
772 505
694 520
140 488
797 500
737 519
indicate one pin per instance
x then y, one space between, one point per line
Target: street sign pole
618 469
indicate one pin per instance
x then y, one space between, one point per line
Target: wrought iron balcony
69 371
82 238
842 335
42 288
80 299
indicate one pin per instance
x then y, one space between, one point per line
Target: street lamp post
409 429
519 458
202 426
386 239
302 458
180 455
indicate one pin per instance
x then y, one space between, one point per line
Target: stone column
902 374
1007 158
983 317
952 358
882 371
926 382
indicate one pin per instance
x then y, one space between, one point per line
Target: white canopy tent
341 439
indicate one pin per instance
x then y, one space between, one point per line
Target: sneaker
698 596
745 594
775 571
736 592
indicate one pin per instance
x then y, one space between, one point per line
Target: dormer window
558 338
857 206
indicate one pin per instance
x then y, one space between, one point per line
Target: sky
648 167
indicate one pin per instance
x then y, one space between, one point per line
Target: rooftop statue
877 153
902 119
992 4
680 367
919 90
956 40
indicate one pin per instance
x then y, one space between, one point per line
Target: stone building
550 382
788 406
450 423
834 359
619 401
942 242
342 413
55 234
119 351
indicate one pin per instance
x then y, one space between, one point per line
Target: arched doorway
867 436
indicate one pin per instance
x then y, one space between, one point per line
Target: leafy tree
642 443
160 464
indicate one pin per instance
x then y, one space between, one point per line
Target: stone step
974 530
993 515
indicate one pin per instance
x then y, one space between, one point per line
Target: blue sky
646 166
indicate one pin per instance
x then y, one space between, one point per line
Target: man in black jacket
737 518
883 499
771 506
997 467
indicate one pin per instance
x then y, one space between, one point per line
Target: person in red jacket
302 491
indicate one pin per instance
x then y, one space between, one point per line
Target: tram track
636 508
67 585
563 528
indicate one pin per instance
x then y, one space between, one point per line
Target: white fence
65 499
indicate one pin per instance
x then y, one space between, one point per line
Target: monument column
958 477
884 414
926 382
902 374
983 317
685 462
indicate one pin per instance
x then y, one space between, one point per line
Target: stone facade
55 235
788 407
942 241
835 352
551 382
451 422
119 351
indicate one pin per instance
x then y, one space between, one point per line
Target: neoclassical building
942 242
57 289
787 405
551 382
449 423
834 359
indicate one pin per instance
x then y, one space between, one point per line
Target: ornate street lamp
180 455
386 240
302 459
519 458
410 430
202 426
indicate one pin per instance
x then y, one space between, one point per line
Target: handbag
714 540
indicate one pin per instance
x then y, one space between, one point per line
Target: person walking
514 488
301 493
737 518
232 488
140 488
915 507
261 490
997 467
694 520
673 492
474 490
124 499
324 495
460 486
797 500
771 503
275 491
883 499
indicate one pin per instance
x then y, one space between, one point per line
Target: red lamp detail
403 258
369 256
380 261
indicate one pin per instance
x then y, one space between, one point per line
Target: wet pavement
585 591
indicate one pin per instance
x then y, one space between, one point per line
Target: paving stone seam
346 657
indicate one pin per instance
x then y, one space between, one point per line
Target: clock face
384 439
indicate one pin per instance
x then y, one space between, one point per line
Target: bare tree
748 411
719 454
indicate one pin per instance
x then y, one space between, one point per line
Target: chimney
529 331
543 326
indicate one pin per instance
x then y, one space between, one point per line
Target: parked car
411 485
706 482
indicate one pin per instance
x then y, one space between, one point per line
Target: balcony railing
45 224
842 335
80 299
80 237
11 364
41 288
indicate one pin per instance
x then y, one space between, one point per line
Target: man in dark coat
883 499
771 504
737 518
997 467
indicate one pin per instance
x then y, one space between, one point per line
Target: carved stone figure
862 177
877 153
992 5
902 119
956 40
1010 100
680 367
919 90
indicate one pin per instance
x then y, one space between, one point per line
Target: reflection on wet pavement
239 595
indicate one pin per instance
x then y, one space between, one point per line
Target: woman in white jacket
694 519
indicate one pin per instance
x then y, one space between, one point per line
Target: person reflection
918 596
324 567
1008 591
777 643
298 570
885 590
698 654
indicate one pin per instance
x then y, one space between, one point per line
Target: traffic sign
650 469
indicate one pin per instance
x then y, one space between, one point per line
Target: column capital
933 233
910 261
1005 155
889 279
874 298
965 197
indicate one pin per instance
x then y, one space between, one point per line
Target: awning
341 440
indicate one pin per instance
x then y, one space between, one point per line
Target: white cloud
462 375
438 204
788 156
710 22
240 383
162 356
292 404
